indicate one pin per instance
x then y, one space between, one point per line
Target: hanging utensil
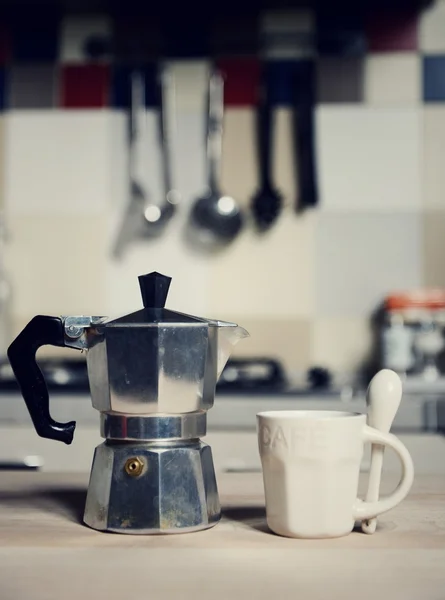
304 134
145 217
216 217
157 215
136 205
267 202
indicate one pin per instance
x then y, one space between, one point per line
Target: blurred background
328 236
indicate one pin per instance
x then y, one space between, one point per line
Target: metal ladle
216 217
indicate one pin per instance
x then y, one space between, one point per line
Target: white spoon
383 399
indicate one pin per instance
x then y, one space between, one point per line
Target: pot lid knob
154 289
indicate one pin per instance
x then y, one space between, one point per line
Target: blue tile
434 78
279 81
120 85
285 77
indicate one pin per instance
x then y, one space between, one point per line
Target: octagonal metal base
171 488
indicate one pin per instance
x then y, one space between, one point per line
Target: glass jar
412 334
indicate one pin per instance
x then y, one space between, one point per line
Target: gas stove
246 387
246 375
258 376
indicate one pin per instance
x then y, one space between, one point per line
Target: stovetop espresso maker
152 377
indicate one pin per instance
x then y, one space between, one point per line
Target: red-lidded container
412 334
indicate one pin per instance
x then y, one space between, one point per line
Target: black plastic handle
40 331
265 127
304 126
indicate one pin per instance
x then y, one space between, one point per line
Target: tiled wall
305 289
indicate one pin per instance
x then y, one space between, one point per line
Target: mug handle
367 510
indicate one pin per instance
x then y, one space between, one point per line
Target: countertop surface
47 553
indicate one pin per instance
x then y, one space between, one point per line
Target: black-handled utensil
304 134
267 202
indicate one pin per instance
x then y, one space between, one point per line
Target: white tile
432 158
432 28
190 82
57 265
267 276
276 337
342 344
2 161
369 158
188 152
76 31
119 157
392 79
285 164
361 258
57 162
239 169
434 248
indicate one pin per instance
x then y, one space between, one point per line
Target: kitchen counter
46 553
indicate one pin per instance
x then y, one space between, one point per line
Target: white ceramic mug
311 465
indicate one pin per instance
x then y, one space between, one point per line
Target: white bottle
397 344
429 342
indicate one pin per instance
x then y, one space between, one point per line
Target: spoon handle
136 117
265 126
304 131
136 192
214 128
165 122
375 473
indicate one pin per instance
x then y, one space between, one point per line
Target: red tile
241 80
392 32
84 86
5 44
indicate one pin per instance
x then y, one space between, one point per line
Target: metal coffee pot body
152 377
157 365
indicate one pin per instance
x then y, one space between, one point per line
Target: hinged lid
154 289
